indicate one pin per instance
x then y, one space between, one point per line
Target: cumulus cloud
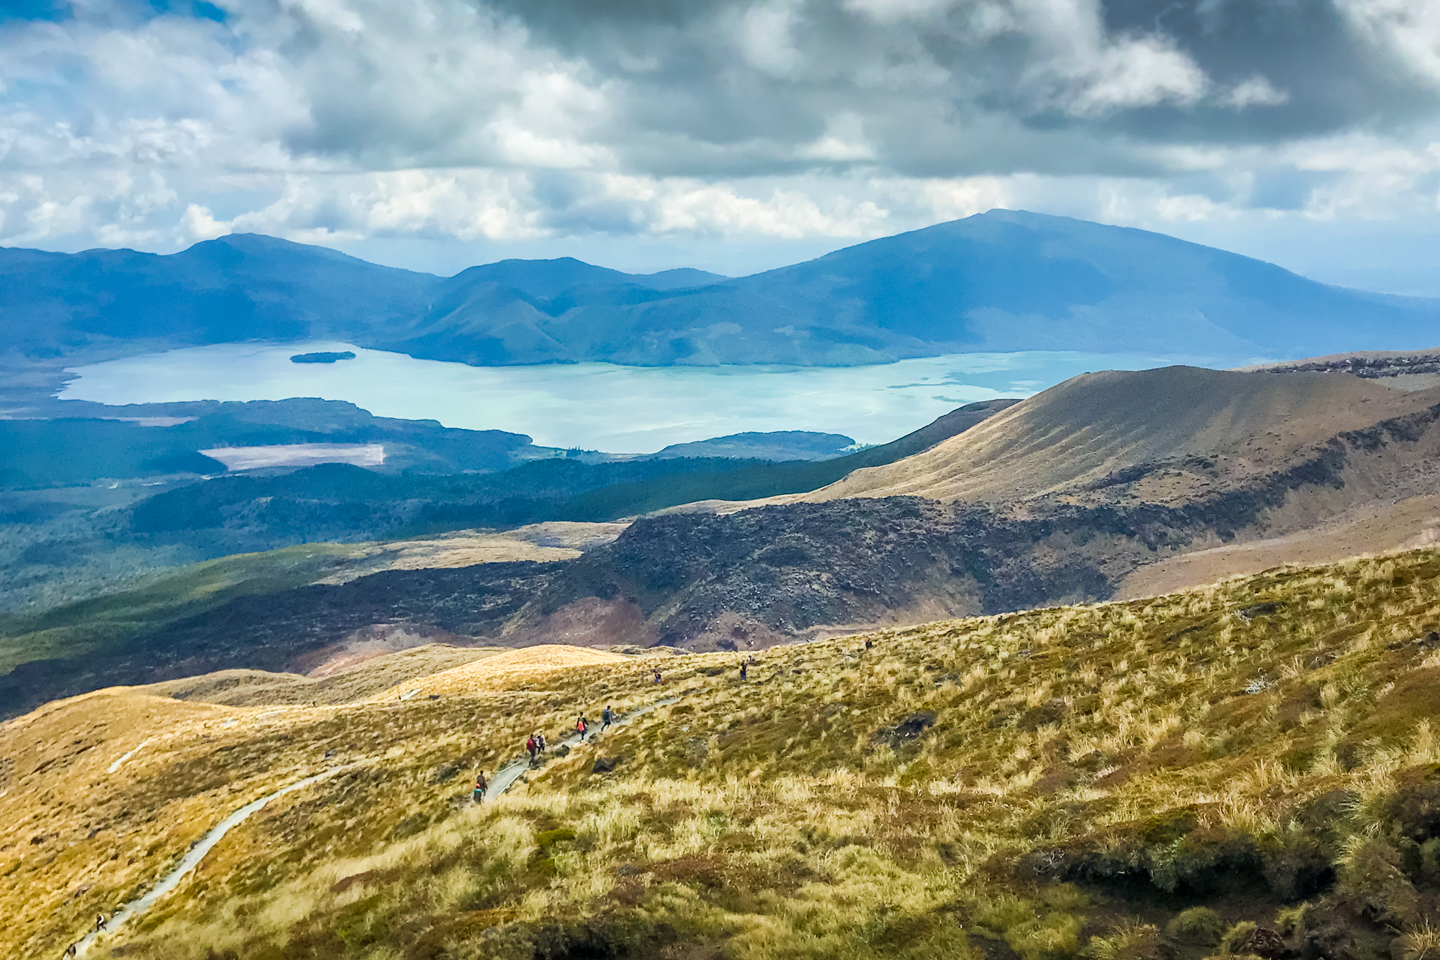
333 120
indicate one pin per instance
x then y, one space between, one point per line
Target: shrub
1294 921
1133 941
1054 936
1247 939
1236 936
1371 882
996 917
1422 943
1198 926
1295 864
1430 860
548 838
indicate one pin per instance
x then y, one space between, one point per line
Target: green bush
1430 860
996 917
548 838
1198 926
1372 883
1235 936
1055 936
1133 941
1294 921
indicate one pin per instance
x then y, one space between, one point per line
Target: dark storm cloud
1332 76
931 88
967 87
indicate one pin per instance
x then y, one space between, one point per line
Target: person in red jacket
581 726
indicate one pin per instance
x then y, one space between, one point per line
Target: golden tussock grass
514 667
1064 782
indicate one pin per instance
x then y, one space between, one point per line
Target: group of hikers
536 745
74 949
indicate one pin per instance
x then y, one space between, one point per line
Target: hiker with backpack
540 742
606 718
744 671
480 787
531 746
581 726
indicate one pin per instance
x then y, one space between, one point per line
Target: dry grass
1090 773
527 665
541 542
243 688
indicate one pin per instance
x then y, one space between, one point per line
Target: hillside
274 610
64 543
1091 430
995 282
122 443
1114 484
777 445
1246 769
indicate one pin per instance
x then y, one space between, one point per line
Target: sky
731 135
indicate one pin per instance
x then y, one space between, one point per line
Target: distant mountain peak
1001 281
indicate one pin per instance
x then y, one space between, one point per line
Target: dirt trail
506 776
192 859
503 780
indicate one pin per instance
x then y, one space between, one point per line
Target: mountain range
996 282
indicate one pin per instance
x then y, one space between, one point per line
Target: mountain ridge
1002 281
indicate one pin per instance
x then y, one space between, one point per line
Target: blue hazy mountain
1009 280
1000 281
236 288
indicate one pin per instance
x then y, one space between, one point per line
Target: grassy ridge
1250 768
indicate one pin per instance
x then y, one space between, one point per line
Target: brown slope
1086 430
1380 526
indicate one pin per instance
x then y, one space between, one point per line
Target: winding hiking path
504 779
506 776
192 858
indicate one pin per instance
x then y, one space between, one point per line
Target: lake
596 406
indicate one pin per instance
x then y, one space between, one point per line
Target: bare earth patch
1375 528
298 455
540 542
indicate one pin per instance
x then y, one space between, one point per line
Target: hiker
867 644
73 950
100 923
531 746
480 787
540 742
743 672
606 718
581 726
657 676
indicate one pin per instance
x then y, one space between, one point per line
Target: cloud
1406 30
510 120
1254 91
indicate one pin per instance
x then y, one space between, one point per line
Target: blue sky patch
34 10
